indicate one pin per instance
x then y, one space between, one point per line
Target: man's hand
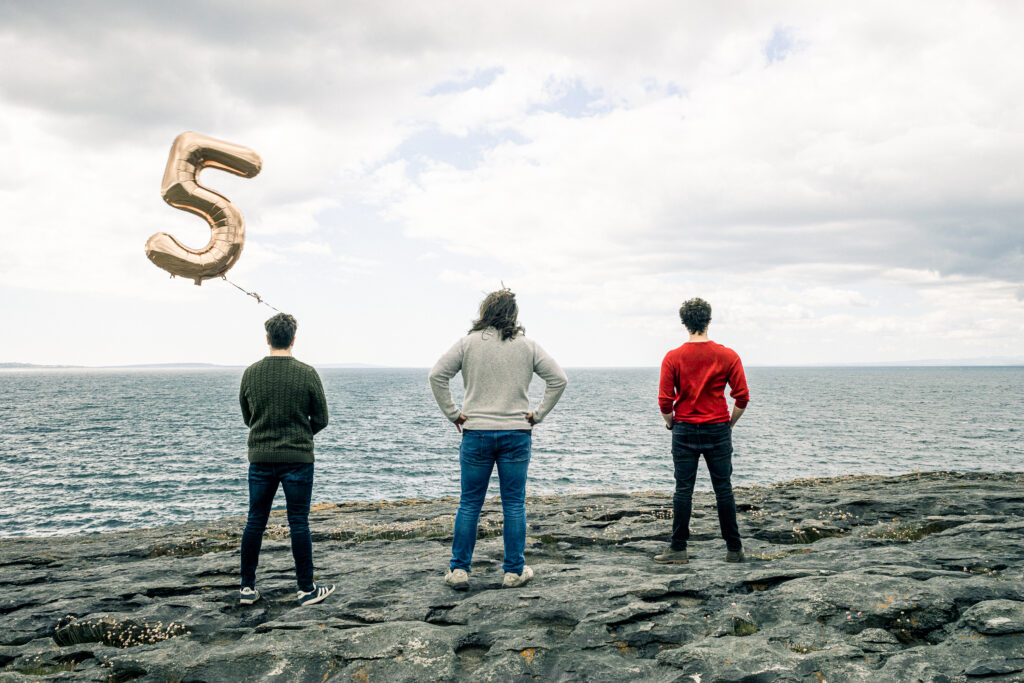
669 418
459 421
736 413
529 418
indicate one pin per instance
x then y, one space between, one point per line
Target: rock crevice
917 577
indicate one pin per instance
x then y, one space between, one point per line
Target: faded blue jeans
481 449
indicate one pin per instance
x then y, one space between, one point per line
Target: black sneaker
734 556
248 595
314 596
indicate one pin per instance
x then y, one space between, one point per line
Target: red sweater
693 379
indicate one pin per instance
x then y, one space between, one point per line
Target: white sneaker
314 596
457 579
248 595
513 580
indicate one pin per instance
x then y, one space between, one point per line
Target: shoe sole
315 600
459 586
247 602
672 562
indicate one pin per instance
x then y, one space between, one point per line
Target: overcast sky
842 183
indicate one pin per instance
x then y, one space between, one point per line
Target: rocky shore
866 578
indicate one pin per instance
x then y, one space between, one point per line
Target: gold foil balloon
190 154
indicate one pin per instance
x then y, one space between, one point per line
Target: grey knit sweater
496 375
283 404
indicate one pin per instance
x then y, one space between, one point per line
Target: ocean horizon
1001 362
103 449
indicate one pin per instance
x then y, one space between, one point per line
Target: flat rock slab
864 578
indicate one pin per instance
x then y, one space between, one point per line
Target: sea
86 451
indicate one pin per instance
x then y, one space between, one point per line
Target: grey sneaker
457 579
248 595
513 580
734 555
314 596
672 557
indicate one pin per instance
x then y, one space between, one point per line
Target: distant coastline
992 362
162 366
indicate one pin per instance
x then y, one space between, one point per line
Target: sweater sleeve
441 374
317 403
738 384
554 378
667 385
243 400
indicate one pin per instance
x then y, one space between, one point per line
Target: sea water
99 450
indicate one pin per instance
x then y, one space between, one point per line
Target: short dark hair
500 310
696 315
281 330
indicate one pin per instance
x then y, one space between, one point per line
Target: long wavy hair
499 310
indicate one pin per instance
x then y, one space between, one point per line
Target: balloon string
254 295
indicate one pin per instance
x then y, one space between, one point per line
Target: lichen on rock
915 577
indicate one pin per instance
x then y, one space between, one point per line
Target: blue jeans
479 452
296 478
713 441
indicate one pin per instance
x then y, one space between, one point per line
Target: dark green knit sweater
283 404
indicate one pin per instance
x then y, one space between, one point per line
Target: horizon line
185 365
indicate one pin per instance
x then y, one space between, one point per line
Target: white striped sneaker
248 595
314 596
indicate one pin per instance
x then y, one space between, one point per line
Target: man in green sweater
283 404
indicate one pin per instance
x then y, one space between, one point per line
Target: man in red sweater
692 401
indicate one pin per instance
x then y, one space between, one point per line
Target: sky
844 183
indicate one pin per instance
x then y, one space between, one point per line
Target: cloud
810 165
753 172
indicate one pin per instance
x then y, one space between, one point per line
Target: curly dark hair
281 330
696 315
500 310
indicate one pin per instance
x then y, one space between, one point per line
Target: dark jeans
480 451
714 442
296 478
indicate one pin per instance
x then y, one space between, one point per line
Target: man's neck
700 337
280 352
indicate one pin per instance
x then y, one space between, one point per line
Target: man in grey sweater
497 363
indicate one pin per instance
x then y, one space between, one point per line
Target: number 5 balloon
190 154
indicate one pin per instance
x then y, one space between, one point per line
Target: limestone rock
917 577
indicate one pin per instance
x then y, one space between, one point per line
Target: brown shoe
734 556
672 557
